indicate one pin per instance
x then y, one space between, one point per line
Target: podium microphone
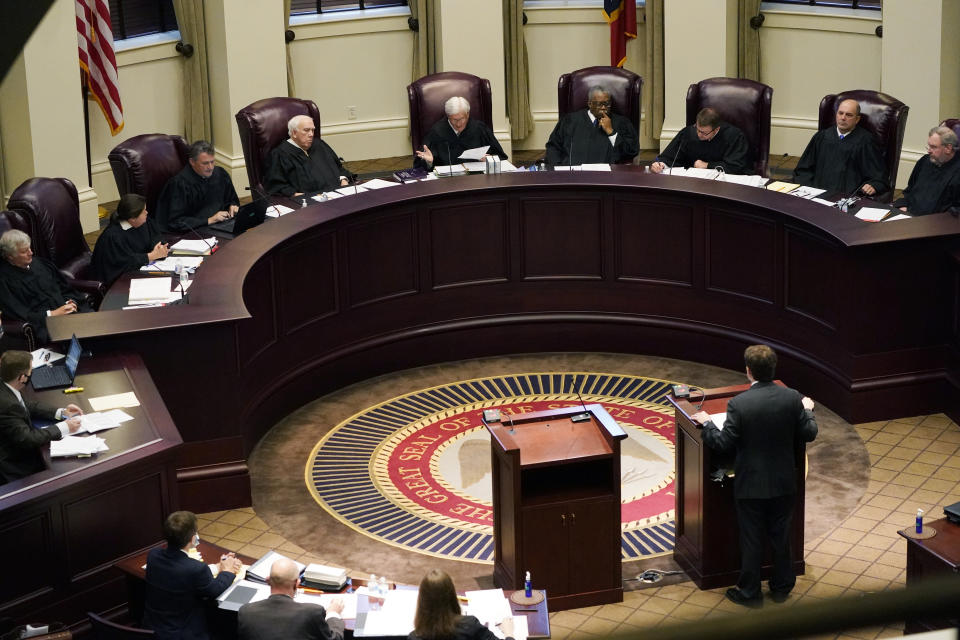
779 164
580 417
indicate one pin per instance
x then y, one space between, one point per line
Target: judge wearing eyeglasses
709 143
593 135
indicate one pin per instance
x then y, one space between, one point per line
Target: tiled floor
914 465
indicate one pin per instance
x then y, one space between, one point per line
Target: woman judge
438 614
130 241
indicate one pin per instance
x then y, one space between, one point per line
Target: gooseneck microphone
779 164
677 154
580 417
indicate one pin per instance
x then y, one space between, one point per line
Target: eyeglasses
707 133
600 103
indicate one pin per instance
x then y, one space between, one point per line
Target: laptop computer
248 216
60 374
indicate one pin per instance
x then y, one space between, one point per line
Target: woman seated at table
438 613
130 241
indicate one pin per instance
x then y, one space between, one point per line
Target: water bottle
303 202
178 270
527 589
382 587
919 528
184 276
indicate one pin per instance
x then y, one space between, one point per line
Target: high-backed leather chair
52 208
103 629
17 334
743 103
263 125
143 164
882 115
953 123
428 95
625 89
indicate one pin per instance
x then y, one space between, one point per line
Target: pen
47 356
73 390
525 610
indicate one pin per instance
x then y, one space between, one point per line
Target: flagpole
86 123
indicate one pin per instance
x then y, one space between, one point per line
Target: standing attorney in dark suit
179 587
20 442
764 425
280 618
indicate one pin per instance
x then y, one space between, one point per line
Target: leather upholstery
882 115
953 123
263 125
625 89
428 95
52 209
143 164
743 103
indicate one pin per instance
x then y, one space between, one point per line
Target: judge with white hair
304 164
453 135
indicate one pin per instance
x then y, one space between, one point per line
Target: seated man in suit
844 157
179 587
709 143
303 163
201 194
453 135
20 442
32 288
593 135
280 618
764 425
935 180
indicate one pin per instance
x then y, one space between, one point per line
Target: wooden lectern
556 504
707 543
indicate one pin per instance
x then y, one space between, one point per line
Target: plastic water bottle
919 528
303 202
382 587
178 270
527 589
184 276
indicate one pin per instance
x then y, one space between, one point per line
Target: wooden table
132 568
933 558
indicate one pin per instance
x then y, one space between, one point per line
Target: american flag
95 40
622 16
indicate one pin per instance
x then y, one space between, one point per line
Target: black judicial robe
446 145
932 189
188 199
727 149
577 136
290 170
841 165
120 250
27 294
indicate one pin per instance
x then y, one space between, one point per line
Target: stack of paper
74 446
450 170
568 167
595 166
349 602
97 421
260 570
319 576
151 291
745 180
872 214
807 192
349 191
377 183
278 210
43 357
199 247
327 195
169 265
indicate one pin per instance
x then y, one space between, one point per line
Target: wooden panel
561 239
381 260
654 242
594 527
469 244
811 286
691 520
260 332
114 522
741 255
312 261
32 565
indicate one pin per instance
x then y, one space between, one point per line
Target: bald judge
304 164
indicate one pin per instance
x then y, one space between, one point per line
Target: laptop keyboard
44 377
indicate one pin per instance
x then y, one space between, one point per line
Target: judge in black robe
593 135
843 158
304 164
935 180
723 147
32 288
199 195
451 136
130 241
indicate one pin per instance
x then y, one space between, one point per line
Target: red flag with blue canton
622 16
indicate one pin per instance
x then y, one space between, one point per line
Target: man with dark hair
20 443
303 163
935 180
280 618
764 425
201 194
844 157
178 586
593 135
709 143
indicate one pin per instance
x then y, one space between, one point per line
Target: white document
149 290
198 246
377 183
475 167
349 191
489 606
595 166
349 602
823 202
327 195
718 419
476 153
899 216
278 210
807 192
745 180
169 265
395 617
40 357
450 170
568 167
75 446
872 214
114 401
98 421
261 568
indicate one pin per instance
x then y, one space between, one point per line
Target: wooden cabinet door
594 553
546 547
